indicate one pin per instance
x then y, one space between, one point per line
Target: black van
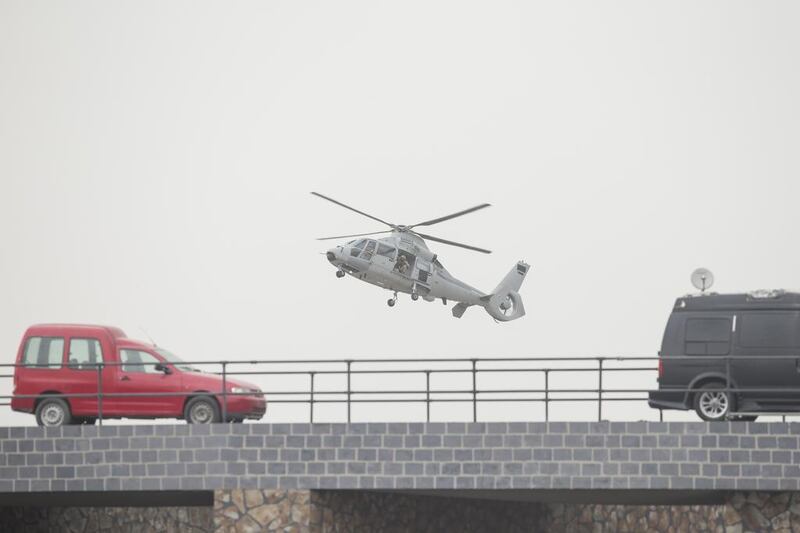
747 327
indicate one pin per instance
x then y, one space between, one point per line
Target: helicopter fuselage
401 263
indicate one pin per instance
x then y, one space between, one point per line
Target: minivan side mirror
163 368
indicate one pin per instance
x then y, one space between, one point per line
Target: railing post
349 362
474 391
728 391
100 393
600 390
427 395
224 391
311 417
546 394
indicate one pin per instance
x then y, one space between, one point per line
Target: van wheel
202 410
53 412
712 403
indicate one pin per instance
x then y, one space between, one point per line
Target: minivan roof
751 300
54 329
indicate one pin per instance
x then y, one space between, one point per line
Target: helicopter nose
331 256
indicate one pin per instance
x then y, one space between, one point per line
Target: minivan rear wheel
53 412
712 403
202 410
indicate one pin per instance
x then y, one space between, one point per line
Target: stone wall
368 511
744 456
106 519
302 511
744 512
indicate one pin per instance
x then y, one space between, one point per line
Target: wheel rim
713 404
201 413
52 415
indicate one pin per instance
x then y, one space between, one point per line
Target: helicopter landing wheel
339 273
414 296
391 302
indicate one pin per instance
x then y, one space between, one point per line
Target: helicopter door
423 271
405 263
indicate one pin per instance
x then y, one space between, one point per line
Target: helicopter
402 262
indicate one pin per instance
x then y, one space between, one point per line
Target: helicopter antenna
148 336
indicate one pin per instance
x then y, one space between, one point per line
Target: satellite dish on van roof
702 279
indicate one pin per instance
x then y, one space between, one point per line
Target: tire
53 412
713 404
202 410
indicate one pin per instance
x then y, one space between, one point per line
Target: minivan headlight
239 390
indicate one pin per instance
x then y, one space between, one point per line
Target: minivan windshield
175 360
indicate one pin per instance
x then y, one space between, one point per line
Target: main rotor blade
453 243
352 209
355 235
448 217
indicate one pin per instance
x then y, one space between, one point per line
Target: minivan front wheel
202 410
712 403
53 412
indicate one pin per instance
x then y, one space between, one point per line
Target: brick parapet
504 455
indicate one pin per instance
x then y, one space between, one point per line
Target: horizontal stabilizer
458 309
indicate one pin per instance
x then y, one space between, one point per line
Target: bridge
512 476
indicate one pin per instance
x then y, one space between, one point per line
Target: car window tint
138 361
84 354
44 352
770 330
708 336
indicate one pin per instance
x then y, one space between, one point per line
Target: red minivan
62 359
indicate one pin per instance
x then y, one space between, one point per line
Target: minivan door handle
124 378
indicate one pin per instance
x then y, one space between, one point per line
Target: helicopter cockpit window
369 249
357 247
386 251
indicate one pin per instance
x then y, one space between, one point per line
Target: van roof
777 299
61 329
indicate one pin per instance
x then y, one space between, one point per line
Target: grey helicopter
402 262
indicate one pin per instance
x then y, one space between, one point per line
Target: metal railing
475 368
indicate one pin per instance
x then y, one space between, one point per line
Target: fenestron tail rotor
409 229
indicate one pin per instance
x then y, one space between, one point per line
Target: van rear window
44 352
708 336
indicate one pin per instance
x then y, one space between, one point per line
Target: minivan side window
708 336
44 352
84 354
769 331
138 361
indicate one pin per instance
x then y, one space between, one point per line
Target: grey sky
156 160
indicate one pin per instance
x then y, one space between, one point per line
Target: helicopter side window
357 247
369 249
386 251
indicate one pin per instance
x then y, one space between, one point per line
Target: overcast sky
156 160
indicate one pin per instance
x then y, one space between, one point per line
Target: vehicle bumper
667 399
23 405
252 407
